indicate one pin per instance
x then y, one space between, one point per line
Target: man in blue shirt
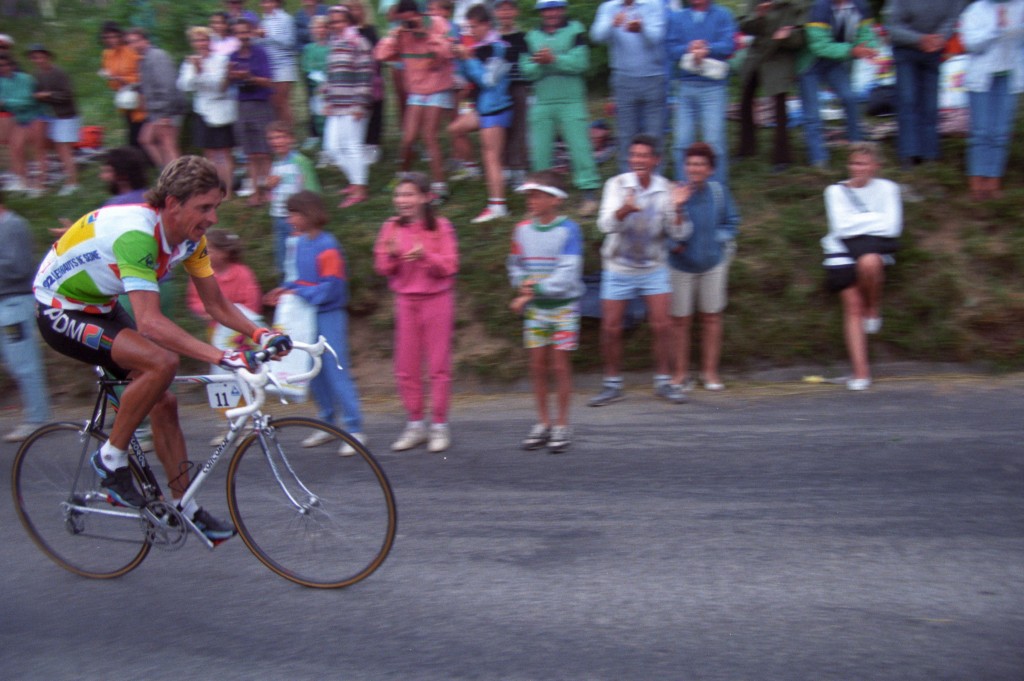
698 40
634 31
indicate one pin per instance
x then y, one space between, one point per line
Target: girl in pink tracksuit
418 253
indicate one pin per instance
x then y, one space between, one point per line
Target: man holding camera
420 42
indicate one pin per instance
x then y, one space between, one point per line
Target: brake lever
277 383
337 360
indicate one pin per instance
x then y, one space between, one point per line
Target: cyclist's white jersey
111 251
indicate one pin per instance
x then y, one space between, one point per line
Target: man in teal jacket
838 32
556 62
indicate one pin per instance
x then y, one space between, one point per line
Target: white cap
546 188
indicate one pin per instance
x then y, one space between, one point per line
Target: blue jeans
992 115
332 387
917 102
282 230
18 336
706 102
639 108
835 74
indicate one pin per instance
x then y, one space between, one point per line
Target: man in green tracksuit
557 59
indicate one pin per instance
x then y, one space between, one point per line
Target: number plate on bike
223 395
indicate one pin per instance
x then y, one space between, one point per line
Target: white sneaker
440 439
21 433
317 438
858 384
491 212
247 188
68 190
349 450
16 185
412 436
465 173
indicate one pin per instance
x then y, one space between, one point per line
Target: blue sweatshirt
715 222
716 26
321 279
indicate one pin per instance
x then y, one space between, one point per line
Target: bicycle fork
282 470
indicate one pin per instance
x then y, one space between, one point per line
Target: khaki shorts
708 290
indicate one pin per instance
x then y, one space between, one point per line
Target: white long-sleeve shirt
879 213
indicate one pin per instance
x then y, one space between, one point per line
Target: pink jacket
434 272
427 56
239 285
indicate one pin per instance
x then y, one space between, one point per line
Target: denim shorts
621 286
442 100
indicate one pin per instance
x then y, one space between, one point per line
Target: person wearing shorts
277 34
700 266
639 210
546 268
865 220
249 71
421 43
486 67
54 91
126 249
165 105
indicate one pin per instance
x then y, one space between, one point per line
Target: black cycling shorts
85 336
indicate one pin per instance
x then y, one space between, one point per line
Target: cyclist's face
193 217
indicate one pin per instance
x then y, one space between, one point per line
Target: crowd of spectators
460 68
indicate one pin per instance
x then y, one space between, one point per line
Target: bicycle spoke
67 513
310 515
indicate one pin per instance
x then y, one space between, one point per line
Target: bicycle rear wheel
65 511
308 514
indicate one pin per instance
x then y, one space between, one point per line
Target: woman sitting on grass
865 216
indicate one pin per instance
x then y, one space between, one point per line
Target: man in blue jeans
699 39
919 30
838 31
634 31
18 337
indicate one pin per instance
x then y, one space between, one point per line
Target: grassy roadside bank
956 294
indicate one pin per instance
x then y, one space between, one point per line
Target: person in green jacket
557 58
770 65
837 32
27 129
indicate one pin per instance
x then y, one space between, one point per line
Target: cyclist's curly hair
184 178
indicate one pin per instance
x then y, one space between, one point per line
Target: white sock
415 424
190 508
661 379
112 457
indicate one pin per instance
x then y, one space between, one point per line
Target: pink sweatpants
423 331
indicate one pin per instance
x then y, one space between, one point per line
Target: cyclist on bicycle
126 249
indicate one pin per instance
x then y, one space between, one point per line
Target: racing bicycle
313 517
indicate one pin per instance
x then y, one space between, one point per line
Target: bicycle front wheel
316 518
65 510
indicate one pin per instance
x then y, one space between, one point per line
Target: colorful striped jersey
111 251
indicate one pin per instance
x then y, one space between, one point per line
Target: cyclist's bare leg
169 442
152 370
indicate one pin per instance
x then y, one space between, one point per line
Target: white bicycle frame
253 388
